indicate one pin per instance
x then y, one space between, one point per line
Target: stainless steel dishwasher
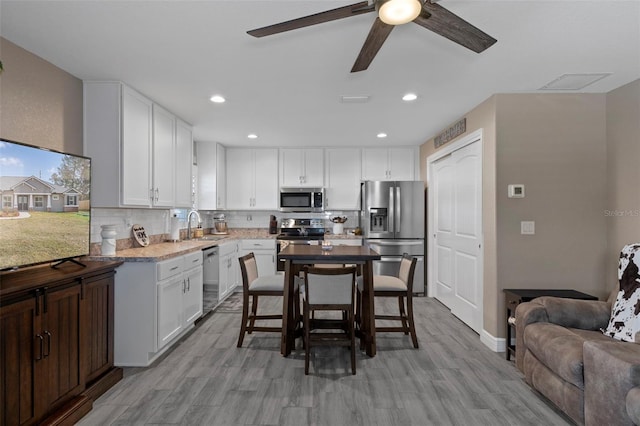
211 279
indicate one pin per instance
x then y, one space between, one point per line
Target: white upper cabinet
389 163
136 144
301 167
184 196
252 179
164 157
133 144
342 191
211 176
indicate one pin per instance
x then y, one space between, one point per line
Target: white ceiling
286 88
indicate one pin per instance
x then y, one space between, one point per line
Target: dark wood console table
56 337
514 297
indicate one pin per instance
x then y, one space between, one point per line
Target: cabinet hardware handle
151 194
183 286
157 194
48 343
38 356
81 279
174 268
37 296
45 300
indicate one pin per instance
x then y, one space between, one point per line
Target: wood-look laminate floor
453 379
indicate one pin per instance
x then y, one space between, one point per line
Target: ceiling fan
391 13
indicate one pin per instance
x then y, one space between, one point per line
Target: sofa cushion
625 315
633 405
611 370
559 349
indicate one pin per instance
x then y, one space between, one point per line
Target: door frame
473 137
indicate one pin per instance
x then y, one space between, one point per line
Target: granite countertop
169 249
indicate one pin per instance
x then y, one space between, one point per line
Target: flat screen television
45 196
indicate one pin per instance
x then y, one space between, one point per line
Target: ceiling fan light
398 12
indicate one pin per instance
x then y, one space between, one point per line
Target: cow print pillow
625 315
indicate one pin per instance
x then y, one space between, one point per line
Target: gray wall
556 145
623 172
40 104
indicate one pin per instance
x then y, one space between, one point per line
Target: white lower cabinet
229 269
265 252
155 303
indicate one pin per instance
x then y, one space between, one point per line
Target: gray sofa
591 377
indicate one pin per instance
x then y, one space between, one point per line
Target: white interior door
456 229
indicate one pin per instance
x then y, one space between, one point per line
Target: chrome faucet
189 222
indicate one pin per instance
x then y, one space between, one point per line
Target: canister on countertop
273 225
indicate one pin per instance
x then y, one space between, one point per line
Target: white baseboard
496 344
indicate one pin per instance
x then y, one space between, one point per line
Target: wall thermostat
516 191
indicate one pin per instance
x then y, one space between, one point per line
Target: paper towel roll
175 228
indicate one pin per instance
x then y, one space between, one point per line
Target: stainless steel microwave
301 199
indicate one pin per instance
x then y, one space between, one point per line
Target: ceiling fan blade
441 21
318 18
377 35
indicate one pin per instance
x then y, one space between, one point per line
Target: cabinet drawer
169 268
192 260
259 244
228 248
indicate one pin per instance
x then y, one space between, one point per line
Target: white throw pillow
625 315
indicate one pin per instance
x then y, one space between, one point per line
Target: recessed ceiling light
218 99
382 135
252 136
410 97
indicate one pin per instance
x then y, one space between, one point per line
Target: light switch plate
527 228
516 191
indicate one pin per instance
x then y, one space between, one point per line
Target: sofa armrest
611 372
574 313
633 405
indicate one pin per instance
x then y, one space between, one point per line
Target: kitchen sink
212 237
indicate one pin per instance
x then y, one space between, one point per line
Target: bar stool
400 287
255 286
329 289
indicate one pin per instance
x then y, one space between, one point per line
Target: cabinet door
170 293
240 178
266 261
184 196
313 167
207 176
291 167
62 354
234 270
266 179
164 133
401 164
136 149
375 164
223 284
192 300
343 179
97 325
20 345
221 177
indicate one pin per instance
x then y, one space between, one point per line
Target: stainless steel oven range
298 231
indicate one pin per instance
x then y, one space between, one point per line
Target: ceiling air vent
574 81
354 99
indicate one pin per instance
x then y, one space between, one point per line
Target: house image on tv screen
34 194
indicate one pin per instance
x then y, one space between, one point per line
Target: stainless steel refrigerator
392 221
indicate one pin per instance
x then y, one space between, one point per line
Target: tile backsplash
157 222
